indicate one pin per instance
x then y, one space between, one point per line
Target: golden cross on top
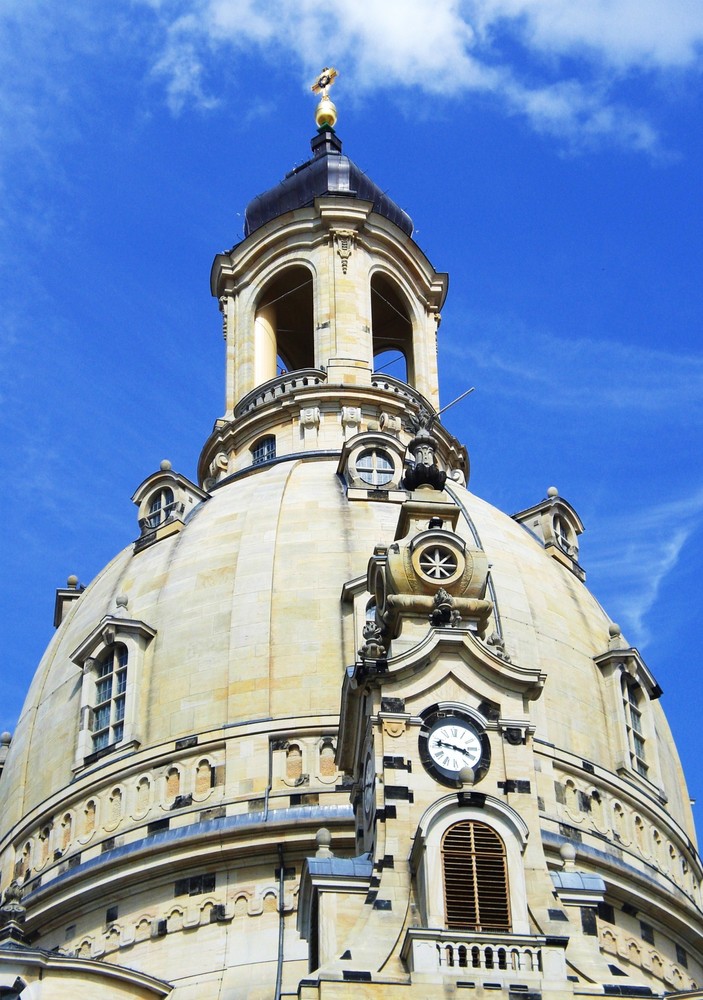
324 81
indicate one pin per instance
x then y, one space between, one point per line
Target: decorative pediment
443 653
108 631
626 659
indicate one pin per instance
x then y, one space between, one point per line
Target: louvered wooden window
475 878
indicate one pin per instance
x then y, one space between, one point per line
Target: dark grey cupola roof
329 172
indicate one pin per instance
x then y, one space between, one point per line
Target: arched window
161 506
392 330
204 777
26 860
562 533
283 325
44 841
475 878
264 450
115 806
108 702
110 693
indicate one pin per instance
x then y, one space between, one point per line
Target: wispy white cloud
508 359
616 392
180 64
557 64
625 34
522 52
644 549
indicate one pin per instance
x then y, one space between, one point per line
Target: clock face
453 744
449 741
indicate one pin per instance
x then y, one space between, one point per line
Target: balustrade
508 956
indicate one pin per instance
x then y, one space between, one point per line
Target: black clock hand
453 746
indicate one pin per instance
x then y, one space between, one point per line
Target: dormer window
111 658
557 525
631 690
264 450
164 501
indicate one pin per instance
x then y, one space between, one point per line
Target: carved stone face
424 454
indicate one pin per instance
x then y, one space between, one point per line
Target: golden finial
325 112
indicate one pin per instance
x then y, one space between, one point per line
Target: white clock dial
453 744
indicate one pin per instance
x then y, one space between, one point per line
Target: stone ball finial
5 739
613 630
552 492
323 839
467 776
121 600
72 581
165 465
568 852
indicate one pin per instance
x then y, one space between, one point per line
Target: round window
438 562
375 467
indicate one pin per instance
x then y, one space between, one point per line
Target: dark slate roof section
329 172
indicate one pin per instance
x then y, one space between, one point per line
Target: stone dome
245 604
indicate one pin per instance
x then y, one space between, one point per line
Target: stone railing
508 957
380 380
309 377
277 387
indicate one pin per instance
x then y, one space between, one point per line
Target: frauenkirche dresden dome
331 726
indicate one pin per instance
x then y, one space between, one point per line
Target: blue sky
550 155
